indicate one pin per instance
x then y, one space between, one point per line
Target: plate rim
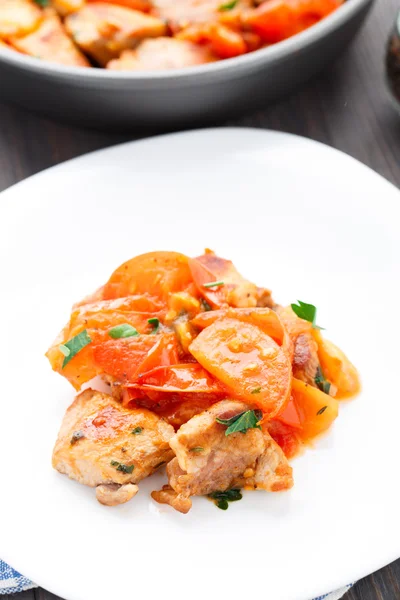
204 132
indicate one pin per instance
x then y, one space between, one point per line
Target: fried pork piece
65 7
104 445
104 30
50 41
162 53
18 17
208 461
181 13
305 358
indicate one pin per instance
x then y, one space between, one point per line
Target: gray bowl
182 97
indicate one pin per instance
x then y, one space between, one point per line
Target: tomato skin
121 358
225 42
216 297
290 415
265 318
337 368
276 20
187 378
285 437
142 5
316 410
247 362
125 359
156 273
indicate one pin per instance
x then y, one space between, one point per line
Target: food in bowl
206 373
151 34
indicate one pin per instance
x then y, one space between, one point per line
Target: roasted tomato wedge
265 318
247 361
188 378
157 273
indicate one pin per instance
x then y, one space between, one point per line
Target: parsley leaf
222 498
123 468
305 311
242 422
156 324
321 382
256 390
197 449
73 346
228 5
322 410
213 284
122 331
137 430
42 3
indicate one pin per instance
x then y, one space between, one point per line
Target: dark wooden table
347 107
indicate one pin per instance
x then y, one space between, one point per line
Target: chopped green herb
74 345
228 5
305 311
197 449
77 435
256 390
242 422
64 349
204 304
137 430
122 331
213 284
322 410
42 3
123 468
156 324
222 498
320 381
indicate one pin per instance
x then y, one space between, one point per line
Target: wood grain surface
347 107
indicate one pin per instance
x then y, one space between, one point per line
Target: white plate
294 215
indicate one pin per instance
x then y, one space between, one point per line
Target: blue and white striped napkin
12 582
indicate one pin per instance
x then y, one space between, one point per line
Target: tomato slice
290 415
316 410
216 296
93 316
188 378
337 368
122 358
277 20
157 273
265 318
163 353
285 437
247 361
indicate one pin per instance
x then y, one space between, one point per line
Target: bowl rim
245 62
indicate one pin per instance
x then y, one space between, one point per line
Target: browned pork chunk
50 42
104 445
208 461
305 358
104 30
65 7
18 17
180 14
162 53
